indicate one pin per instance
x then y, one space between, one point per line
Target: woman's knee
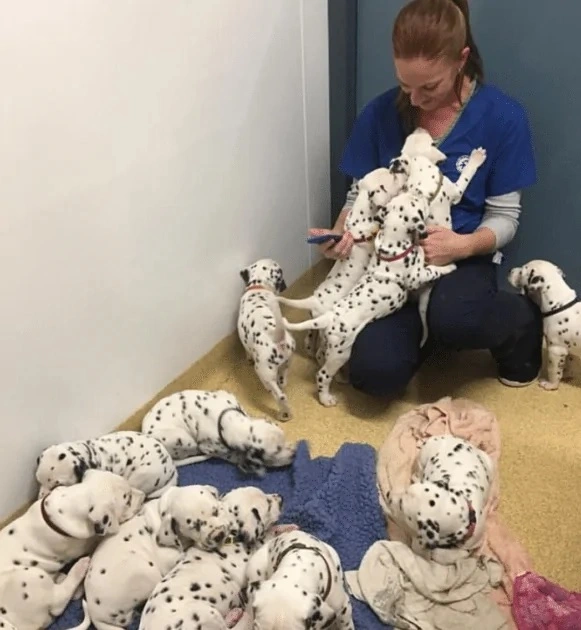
386 354
380 378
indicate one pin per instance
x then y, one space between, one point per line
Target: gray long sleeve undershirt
501 213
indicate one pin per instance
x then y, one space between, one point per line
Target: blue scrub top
490 119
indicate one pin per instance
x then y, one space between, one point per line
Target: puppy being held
126 567
375 190
444 507
268 345
397 268
204 590
140 459
195 425
544 283
296 581
63 526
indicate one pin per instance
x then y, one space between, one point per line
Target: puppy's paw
328 400
233 617
548 386
478 156
446 269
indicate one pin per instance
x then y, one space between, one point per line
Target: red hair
435 29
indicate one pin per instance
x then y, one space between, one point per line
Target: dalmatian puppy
195 424
375 190
444 507
544 283
126 567
62 527
397 269
140 459
421 156
296 581
268 346
206 587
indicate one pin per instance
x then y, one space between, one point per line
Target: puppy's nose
280 500
219 537
99 530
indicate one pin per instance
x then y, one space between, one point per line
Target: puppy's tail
194 459
319 323
86 623
308 304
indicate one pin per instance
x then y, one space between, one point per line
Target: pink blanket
469 420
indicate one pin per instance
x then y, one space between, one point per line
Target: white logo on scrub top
461 162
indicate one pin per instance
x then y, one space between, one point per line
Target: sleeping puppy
444 507
205 588
544 284
126 567
268 345
195 424
296 581
64 526
140 459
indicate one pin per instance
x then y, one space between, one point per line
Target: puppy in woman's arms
544 284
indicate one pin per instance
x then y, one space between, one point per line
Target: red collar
256 287
49 522
403 254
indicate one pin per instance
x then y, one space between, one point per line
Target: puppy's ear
79 469
245 275
104 519
168 532
212 490
252 462
322 615
561 272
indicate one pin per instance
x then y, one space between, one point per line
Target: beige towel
465 419
412 593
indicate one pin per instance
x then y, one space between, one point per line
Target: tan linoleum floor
541 432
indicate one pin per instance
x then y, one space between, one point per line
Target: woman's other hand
442 246
334 250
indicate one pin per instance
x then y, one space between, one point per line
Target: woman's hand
334 249
443 246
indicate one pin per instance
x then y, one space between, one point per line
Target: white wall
148 151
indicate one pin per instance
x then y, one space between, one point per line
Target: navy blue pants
467 311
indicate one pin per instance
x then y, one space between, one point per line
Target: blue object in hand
323 238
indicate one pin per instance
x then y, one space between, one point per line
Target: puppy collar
438 188
300 546
560 309
48 520
257 287
403 254
221 427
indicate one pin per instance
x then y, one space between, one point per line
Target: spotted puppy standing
63 526
375 190
444 507
296 581
204 590
397 268
544 283
140 459
195 424
126 567
268 345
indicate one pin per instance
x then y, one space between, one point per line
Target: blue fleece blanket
333 498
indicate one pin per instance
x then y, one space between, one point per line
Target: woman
441 89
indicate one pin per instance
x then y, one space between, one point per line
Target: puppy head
266 272
535 278
286 606
421 144
62 465
435 515
268 448
383 184
253 511
112 501
193 514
